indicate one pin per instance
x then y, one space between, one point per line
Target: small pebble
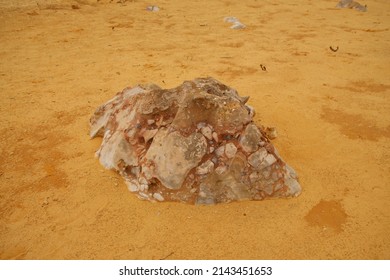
153 8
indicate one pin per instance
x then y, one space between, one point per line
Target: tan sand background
58 62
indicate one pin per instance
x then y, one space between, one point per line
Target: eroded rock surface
196 143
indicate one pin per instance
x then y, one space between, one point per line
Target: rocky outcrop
196 143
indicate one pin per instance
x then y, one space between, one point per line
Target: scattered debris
153 8
351 4
236 23
334 49
263 67
230 19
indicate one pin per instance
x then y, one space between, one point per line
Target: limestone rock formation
196 143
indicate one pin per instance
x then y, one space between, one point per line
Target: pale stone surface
205 168
207 132
257 157
249 140
196 143
230 150
174 155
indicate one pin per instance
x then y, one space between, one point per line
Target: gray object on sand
236 23
351 4
153 8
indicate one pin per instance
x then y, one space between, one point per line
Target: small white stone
132 187
230 150
230 19
143 187
150 122
142 195
257 157
148 172
158 196
206 131
135 170
153 8
238 25
142 180
200 125
205 168
220 151
211 149
270 159
249 140
215 136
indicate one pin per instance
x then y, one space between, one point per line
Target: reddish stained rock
196 143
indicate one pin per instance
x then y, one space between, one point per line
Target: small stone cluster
196 143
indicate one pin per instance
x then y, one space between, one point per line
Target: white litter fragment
231 19
236 23
153 8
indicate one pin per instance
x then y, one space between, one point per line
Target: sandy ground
331 109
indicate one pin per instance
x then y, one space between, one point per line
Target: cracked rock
196 143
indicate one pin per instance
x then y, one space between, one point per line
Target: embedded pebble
220 151
257 157
230 150
207 132
220 170
158 196
205 168
215 137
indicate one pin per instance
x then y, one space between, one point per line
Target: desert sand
60 60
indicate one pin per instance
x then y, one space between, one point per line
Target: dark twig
164 258
334 50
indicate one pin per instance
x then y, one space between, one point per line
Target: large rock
196 143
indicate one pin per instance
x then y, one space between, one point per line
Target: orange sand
331 109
